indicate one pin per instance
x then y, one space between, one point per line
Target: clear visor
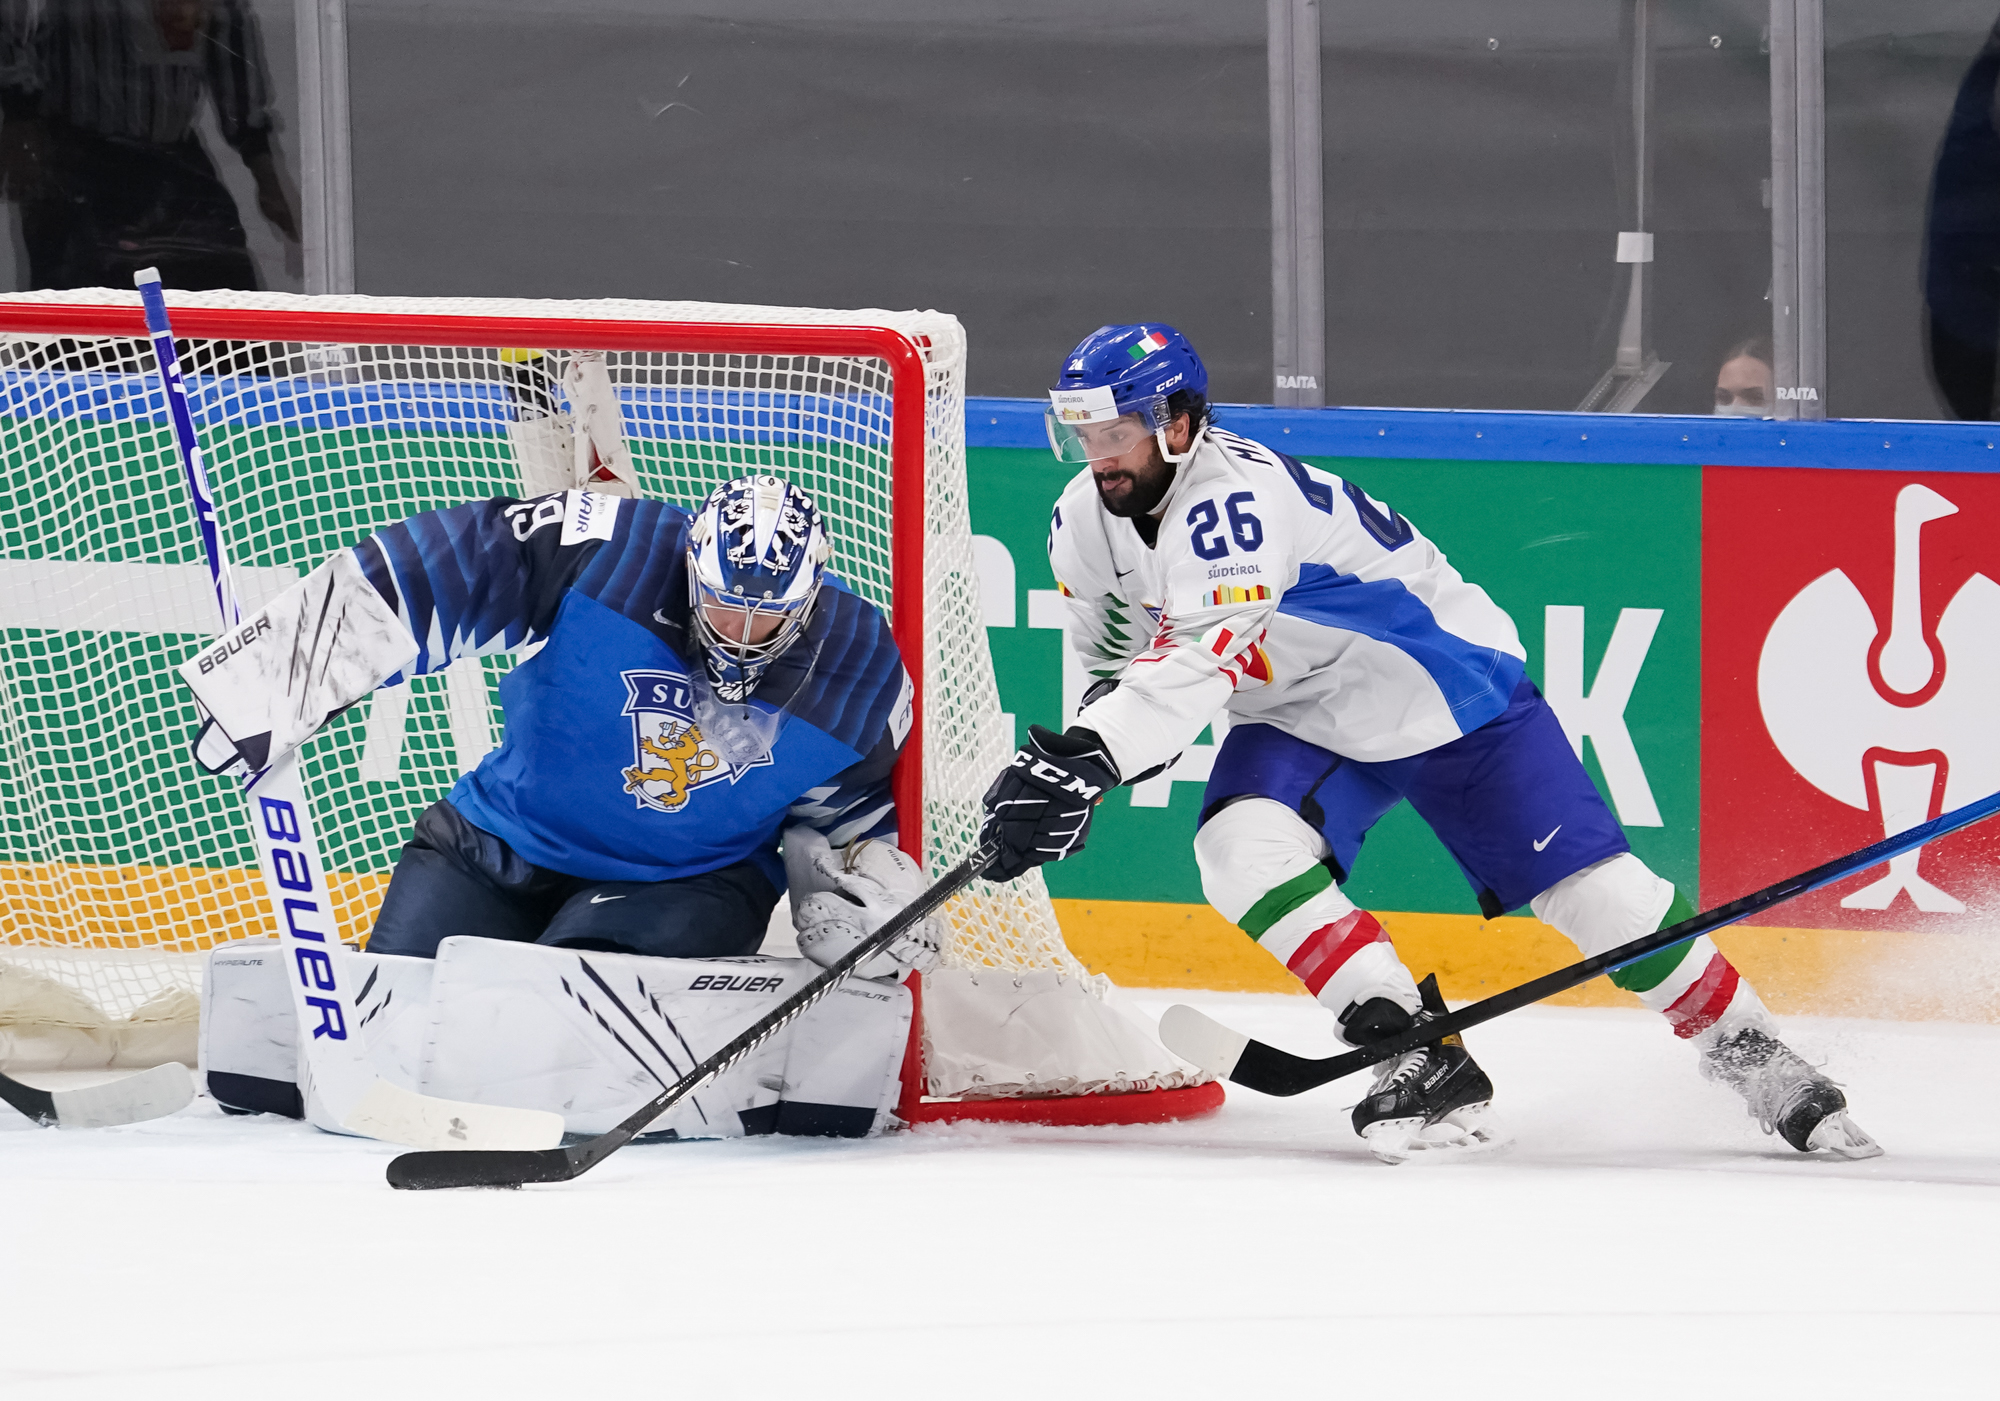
1092 441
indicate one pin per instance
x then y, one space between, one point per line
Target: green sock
1648 973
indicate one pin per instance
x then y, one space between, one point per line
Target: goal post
326 418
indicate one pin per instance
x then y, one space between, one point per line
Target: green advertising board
1615 543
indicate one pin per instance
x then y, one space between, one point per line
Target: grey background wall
1037 169
1040 167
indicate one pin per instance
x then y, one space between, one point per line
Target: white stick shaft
280 819
193 465
296 877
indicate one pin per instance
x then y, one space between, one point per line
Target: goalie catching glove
841 897
266 684
1039 807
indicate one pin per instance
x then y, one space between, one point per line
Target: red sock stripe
1325 950
1702 1005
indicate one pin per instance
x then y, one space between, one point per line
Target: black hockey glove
1039 807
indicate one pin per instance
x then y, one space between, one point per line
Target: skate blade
1463 1132
1841 1136
1393 1140
1476 1127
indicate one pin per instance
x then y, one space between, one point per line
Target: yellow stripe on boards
1824 972
1816 972
184 909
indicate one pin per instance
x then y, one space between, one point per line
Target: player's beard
1134 492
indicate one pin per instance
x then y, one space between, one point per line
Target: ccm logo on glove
1039 808
1049 773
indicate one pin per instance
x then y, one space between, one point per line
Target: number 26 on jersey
1208 537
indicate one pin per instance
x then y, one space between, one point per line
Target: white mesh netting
119 863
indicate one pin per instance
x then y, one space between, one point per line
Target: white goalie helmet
757 551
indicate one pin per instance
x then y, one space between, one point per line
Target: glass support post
325 172
1635 369
1798 208
1298 242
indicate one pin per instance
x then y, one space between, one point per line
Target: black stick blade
38 1105
1268 1070
426 1172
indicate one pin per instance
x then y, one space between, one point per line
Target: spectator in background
98 100
1962 245
1744 386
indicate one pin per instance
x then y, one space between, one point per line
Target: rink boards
1708 605
1715 635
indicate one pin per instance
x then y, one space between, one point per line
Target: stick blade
132 1099
429 1172
1230 1055
38 1105
397 1115
1200 1040
1270 1071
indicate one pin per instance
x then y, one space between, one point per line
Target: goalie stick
295 875
131 1099
427 1171
1196 1037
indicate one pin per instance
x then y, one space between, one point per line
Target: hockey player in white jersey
1204 572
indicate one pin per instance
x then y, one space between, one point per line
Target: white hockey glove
264 686
841 897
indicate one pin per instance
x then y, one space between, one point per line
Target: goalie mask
756 553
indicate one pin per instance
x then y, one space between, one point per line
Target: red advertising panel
1851 687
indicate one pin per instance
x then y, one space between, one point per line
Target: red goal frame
903 354
909 380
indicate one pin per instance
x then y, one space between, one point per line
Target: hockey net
326 418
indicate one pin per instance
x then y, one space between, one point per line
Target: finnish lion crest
670 759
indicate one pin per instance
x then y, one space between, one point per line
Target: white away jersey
1286 595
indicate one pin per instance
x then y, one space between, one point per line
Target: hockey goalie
707 719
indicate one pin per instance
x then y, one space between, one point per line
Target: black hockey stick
131 1099
503 1168
1195 1037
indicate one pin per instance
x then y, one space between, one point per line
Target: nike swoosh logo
1549 838
600 899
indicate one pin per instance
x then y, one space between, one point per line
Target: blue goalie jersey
604 772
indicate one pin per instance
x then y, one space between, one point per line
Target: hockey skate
1786 1095
1434 1100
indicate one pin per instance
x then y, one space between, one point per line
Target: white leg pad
588 1036
1251 848
1254 846
1619 900
249 1028
592 1036
1602 906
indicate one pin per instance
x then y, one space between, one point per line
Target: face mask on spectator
1736 408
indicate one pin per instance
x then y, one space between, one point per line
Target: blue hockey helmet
1122 372
757 550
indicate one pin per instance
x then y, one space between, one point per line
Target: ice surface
1642 1239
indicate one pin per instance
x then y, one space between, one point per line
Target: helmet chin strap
1194 444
